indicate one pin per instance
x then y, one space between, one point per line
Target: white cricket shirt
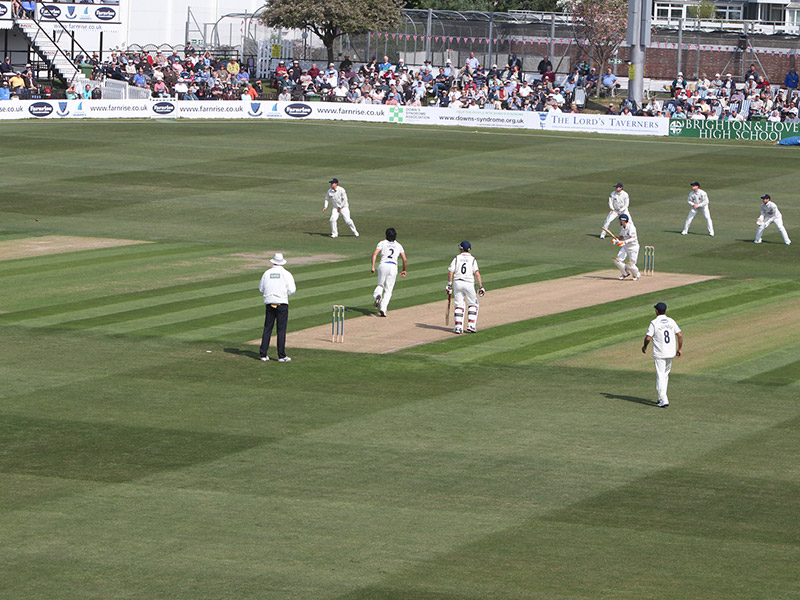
663 331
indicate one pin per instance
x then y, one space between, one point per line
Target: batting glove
481 292
618 242
448 289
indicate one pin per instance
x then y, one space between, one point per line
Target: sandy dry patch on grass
57 244
711 344
423 324
242 262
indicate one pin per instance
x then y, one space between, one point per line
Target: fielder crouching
630 249
461 277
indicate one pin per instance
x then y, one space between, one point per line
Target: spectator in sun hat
448 68
678 84
591 80
5 91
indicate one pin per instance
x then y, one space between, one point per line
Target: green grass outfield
145 453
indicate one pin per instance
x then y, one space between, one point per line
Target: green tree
705 10
601 25
329 19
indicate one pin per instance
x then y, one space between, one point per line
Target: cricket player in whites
338 198
698 200
618 203
630 249
770 214
390 250
463 272
667 343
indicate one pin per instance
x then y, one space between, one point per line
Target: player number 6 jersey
463 267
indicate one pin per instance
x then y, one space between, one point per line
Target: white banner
80 13
5 13
329 111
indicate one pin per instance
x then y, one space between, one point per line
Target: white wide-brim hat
278 259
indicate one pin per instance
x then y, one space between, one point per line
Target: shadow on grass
321 234
248 353
594 235
364 311
437 327
635 399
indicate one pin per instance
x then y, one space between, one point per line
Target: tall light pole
639 24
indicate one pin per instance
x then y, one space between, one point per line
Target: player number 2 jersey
664 333
463 267
390 251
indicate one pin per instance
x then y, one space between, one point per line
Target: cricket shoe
663 405
458 330
382 313
377 301
603 235
621 277
684 233
285 359
635 279
334 236
356 234
756 241
264 358
471 330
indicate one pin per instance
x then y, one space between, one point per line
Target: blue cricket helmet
465 246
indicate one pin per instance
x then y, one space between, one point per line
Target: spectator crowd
470 85
201 76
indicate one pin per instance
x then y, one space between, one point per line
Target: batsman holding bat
629 249
462 273
618 204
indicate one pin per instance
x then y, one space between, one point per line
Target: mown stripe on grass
104 258
544 338
780 376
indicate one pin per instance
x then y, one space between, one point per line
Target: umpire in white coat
277 284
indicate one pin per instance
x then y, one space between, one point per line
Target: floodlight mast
639 20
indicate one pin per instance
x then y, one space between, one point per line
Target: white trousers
706 214
631 253
387 275
345 212
464 297
779 224
663 367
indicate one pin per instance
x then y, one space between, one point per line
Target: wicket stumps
337 324
649 260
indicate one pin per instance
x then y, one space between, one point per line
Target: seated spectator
139 80
774 117
470 64
71 94
314 72
716 83
340 91
86 94
591 80
449 71
678 84
354 95
479 76
160 89
16 83
441 83
386 65
5 91
97 93
181 88
281 71
191 94
702 85
285 95
6 69
609 82
549 79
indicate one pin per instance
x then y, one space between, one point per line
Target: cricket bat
613 237
447 311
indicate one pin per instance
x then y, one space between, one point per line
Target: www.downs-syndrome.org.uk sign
733 130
